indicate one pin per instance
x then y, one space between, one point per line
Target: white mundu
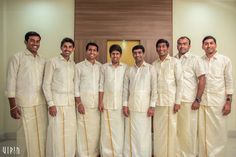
24 83
87 88
139 94
112 118
187 119
58 87
212 123
169 87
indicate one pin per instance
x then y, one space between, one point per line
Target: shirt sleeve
228 74
102 78
199 67
179 82
12 71
153 87
77 80
126 88
47 82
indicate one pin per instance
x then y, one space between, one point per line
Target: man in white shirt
58 87
139 100
193 87
86 95
110 104
216 100
25 95
169 88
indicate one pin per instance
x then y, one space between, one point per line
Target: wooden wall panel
102 20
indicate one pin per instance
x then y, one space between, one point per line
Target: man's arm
179 85
200 90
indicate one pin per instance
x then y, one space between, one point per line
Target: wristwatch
198 100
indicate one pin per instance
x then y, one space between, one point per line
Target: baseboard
7 136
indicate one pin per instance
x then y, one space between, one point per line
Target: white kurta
112 119
87 88
24 83
169 87
58 88
212 123
187 119
139 94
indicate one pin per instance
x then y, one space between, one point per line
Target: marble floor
230 150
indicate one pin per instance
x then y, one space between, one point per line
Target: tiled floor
230 150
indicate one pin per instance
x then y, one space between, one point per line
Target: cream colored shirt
169 81
140 87
58 84
24 79
192 68
87 83
111 83
219 80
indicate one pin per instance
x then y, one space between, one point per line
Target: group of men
107 110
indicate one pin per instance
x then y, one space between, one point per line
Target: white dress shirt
111 83
192 68
219 80
140 87
24 79
87 83
58 84
169 81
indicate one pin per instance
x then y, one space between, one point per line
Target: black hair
31 33
162 41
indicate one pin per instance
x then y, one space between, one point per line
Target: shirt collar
168 57
120 64
215 56
28 53
62 58
89 63
144 64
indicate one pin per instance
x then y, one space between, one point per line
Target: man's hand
52 111
100 107
80 108
15 112
227 108
176 108
150 111
195 105
126 111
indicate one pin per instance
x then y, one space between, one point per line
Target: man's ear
25 42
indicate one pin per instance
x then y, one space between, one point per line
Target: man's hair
208 37
115 47
162 41
138 47
185 37
67 40
91 44
31 33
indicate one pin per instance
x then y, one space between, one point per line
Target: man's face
138 55
209 46
162 49
33 44
91 53
66 49
115 57
183 45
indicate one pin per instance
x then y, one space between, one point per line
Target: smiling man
139 100
86 95
25 95
216 100
169 87
110 105
58 87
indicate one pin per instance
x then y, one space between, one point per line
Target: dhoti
165 140
88 134
61 137
112 133
138 141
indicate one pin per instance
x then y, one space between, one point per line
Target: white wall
52 19
198 18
